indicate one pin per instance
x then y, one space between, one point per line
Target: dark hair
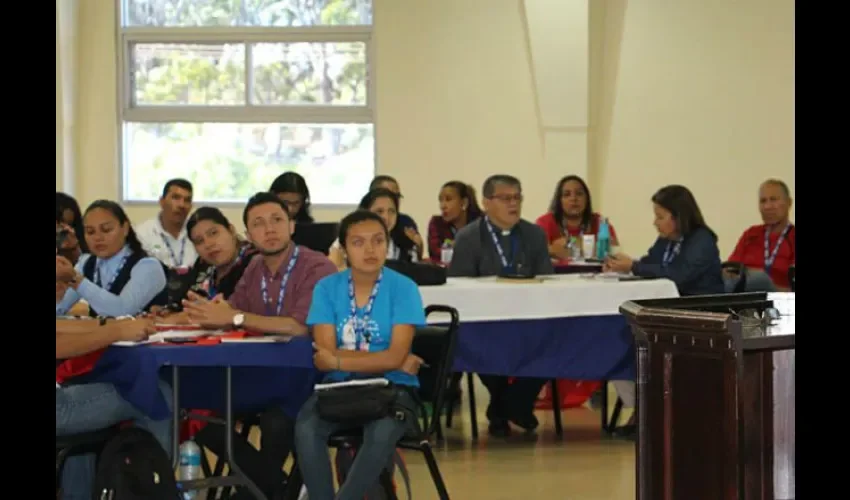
356 217
682 205
119 213
404 244
67 202
262 198
490 184
557 208
380 179
180 183
211 214
466 192
293 182
781 184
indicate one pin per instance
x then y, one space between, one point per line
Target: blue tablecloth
264 374
579 348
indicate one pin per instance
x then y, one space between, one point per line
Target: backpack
344 459
133 466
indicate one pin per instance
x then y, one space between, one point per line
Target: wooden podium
707 421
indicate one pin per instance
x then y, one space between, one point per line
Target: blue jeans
379 443
91 407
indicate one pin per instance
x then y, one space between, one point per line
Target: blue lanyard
211 288
264 286
360 323
770 257
671 252
499 249
114 275
174 261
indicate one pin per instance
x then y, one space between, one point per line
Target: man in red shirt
769 247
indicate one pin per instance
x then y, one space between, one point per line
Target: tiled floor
584 465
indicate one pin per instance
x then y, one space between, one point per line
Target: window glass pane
309 73
195 13
232 161
188 74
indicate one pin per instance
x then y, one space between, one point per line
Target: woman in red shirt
458 207
570 214
770 246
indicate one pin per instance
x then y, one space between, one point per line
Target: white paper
353 383
167 335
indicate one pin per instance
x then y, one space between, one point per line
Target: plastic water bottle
190 467
446 252
603 239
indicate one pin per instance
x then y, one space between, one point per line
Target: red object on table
74 367
573 393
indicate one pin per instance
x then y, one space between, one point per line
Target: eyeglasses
507 198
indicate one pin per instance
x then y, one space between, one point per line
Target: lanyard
175 262
212 288
360 323
499 249
670 253
264 286
114 275
770 257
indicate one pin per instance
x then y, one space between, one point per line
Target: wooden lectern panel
688 405
706 397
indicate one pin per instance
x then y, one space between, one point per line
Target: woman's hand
324 360
620 263
413 236
61 288
412 364
559 250
65 271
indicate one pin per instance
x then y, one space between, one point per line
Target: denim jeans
379 443
91 407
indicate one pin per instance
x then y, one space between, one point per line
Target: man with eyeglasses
503 244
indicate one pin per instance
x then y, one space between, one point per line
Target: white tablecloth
559 296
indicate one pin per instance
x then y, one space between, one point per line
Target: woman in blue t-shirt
363 320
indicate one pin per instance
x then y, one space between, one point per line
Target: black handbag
358 404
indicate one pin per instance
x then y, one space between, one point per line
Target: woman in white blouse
383 202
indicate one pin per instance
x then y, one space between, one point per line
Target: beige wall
632 95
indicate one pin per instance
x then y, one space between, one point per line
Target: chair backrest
443 369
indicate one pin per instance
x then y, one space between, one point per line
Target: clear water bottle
190 467
446 252
603 240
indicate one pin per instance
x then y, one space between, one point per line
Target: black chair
740 270
79 444
421 441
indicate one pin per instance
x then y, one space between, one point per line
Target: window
232 93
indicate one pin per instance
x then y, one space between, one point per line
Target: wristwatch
238 320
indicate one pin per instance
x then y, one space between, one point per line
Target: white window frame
243 113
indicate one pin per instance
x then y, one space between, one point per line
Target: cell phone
61 236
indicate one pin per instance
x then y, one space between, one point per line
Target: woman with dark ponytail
116 277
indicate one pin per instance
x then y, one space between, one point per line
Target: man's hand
412 364
133 330
324 359
215 313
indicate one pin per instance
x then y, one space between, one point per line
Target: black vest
122 279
